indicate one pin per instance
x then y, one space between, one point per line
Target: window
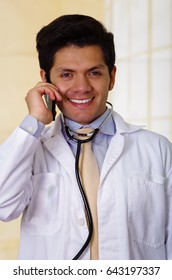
143 39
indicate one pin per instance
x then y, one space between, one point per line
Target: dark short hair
79 30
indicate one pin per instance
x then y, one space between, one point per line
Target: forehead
87 55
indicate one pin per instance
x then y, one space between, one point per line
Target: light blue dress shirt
100 143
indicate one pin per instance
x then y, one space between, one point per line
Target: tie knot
84 133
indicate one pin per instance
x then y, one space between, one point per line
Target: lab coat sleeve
169 217
166 153
16 160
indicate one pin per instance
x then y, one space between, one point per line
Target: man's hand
35 103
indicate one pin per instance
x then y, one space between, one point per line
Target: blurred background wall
143 36
143 92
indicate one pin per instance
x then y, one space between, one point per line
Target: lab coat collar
122 127
55 142
53 135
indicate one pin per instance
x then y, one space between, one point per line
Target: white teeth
79 101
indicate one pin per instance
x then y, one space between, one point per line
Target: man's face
83 80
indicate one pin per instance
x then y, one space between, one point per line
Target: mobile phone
51 104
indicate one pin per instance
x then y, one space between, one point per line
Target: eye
95 73
66 75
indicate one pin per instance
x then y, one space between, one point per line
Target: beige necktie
90 179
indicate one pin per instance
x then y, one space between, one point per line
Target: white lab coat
37 177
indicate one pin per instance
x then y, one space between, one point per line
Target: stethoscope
73 136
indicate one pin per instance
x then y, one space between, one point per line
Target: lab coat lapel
59 148
117 144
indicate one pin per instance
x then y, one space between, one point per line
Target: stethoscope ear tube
86 204
73 134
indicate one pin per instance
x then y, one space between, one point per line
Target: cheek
65 106
106 84
61 104
63 88
103 91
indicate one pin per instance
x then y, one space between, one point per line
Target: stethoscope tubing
86 203
71 136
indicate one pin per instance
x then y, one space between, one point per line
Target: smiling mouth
81 101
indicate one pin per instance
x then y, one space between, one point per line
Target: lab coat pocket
44 214
146 212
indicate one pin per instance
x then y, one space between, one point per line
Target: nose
81 84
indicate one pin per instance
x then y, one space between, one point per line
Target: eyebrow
99 66
64 69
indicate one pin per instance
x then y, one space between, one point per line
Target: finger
50 89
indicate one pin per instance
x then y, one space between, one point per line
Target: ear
43 75
112 78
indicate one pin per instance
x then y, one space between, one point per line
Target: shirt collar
108 128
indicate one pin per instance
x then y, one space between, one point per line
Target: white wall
143 36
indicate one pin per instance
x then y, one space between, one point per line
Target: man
134 198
